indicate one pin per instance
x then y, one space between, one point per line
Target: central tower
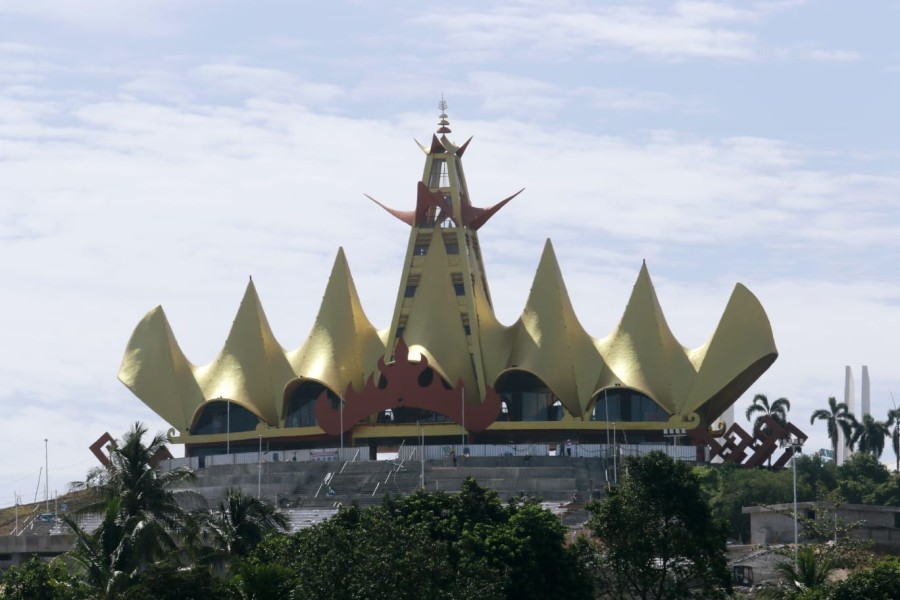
443 279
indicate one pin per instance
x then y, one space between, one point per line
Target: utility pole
259 470
46 479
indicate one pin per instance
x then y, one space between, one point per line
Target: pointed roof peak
443 123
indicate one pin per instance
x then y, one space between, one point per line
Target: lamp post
46 479
462 405
259 470
795 444
341 455
228 427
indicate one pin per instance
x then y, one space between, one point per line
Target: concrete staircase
302 484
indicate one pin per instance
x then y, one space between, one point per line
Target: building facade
446 368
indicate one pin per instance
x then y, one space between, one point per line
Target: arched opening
624 405
301 403
524 397
223 416
410 414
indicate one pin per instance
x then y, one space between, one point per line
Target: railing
435 452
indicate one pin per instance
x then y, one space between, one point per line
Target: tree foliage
432 545
659 539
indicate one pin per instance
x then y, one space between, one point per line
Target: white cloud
134 16
687 30
816 53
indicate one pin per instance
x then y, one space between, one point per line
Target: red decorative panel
736 444
402 388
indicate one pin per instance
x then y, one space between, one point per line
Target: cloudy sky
162 151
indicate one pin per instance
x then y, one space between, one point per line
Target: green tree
862 479
141 515
880 582
893 421
657 533
432 545
133 477
236 525
37 580
837 420
170 581
778 410
811 571
869 436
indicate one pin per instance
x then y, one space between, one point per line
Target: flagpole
463 407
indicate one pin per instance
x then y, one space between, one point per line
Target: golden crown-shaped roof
343 349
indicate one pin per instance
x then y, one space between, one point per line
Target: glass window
410 291
524 397
619 404
302 401
440 177
220 416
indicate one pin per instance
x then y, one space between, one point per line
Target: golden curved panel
252 368
434 327
155 370
495 338
343 346
741 345
550 341
643 353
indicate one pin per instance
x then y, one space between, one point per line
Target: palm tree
893 420
810 572
837 420
141 513
869 436
133 476
104 559
777 410
236 525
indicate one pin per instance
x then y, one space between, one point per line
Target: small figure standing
568 447
453 456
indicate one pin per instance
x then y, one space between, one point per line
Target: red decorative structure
400 386
768 435
107 441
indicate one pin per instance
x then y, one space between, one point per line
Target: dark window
440 177
420 250
526 398
220 416
467 329
301 404
410 291
400 331
460 289
897 520
452 248
626 405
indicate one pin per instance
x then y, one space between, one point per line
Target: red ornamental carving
767 437
401 387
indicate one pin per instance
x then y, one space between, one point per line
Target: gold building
446 365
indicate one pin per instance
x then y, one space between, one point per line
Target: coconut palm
141 512
894 421
869 436
838 420
236 525
103 559
778 410
133 476
810 572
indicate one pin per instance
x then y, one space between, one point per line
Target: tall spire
442 105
